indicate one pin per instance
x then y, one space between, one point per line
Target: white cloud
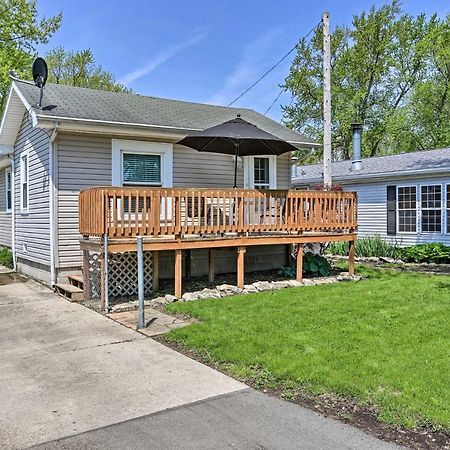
251 65
160 58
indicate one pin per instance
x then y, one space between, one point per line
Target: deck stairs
72 291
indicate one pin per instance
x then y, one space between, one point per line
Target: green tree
78 68
377 64
21 30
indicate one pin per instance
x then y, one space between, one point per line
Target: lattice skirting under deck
123 277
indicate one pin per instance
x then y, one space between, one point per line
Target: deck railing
130 211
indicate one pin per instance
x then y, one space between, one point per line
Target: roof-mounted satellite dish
40 74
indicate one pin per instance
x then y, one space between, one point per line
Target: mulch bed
340 408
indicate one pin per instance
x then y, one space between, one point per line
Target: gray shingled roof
81 103
401 164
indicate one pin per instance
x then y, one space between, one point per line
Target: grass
383 341
6 258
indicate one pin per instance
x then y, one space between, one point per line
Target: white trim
51 195
26 154
184 131
249 171
397 209
8 171
446 199
165 150
429 209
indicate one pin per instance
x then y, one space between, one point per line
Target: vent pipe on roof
357 129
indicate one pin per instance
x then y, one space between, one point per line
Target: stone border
227 290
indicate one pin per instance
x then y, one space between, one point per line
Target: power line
273 103
272 68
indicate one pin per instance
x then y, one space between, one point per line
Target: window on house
141 169
24 175
261 173
448 208
8 189
407 213
431 208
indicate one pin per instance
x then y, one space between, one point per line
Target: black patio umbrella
239 138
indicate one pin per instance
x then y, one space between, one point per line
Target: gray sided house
84 138
403 198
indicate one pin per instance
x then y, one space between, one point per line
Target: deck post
86 284
102 280
211 265
299 271
178 272
351 258
140 269
240 267
155 271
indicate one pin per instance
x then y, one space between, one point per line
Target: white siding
372 211
5 217
32 231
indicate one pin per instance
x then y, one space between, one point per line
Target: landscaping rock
281 284
209 293
170 298
189 296
228 288
158 301
263 286
249 288
295 283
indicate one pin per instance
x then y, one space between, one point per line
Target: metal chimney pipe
357 129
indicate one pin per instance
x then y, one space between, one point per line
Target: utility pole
326 101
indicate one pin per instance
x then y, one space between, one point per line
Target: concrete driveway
71 378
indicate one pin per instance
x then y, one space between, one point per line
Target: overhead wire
272 67
284 89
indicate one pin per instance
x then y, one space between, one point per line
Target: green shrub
313 266
426 253
6 258
367 247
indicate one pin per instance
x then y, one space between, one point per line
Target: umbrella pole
235 165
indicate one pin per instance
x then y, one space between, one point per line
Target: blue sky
203 51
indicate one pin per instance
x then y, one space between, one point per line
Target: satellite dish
40 73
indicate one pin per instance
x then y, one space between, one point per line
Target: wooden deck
184 219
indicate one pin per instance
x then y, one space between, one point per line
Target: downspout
13 211
51 190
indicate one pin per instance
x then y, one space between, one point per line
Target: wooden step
70 292
76 280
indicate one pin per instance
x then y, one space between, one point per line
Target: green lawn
384 341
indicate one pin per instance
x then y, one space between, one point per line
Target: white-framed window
431 208
447 208
8 189
24 181
260 172
407 209
139 163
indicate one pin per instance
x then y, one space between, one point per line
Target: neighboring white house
404 198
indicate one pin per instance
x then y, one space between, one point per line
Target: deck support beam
178 272
240 267
211 265
299 270
351 258
155 271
